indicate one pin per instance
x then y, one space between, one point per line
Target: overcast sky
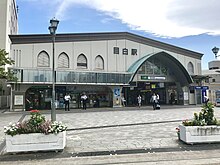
191 24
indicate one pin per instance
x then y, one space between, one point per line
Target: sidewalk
120 132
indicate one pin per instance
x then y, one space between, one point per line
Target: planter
35 142
199 134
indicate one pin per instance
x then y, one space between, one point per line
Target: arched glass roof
177 68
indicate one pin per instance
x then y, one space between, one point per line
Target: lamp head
53 26
54 22
215 51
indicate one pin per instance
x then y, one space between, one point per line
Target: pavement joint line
24 156
22 118
123 125
5 110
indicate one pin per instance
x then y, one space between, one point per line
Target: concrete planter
35 142
199 134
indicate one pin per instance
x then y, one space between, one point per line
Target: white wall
112 62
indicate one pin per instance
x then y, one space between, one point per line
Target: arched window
43 59
99 63
82 61
190 68
63 61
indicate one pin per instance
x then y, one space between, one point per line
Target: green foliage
205 117
35 121
4 60
36 124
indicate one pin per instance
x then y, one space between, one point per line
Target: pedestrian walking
139 99
84 99
153 100
67 102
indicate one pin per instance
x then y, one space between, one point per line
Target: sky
190 24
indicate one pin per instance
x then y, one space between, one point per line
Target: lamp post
52 28
215 51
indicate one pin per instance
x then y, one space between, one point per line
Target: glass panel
149 68
74 77
82 78
164 70
101 78
60 77
156 70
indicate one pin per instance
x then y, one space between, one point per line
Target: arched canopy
177 68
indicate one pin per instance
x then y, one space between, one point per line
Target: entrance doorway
38 98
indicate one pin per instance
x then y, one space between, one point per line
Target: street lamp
215 51
52 28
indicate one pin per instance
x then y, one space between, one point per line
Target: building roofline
76 37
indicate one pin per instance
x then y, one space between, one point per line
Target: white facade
8 22
119 57
213 80
25 55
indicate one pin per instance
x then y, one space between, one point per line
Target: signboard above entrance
153 78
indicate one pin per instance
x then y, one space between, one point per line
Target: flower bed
35 134
35 142
203 128
199 134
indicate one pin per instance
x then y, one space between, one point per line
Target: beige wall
112 62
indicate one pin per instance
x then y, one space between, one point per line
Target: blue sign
201 87
117 92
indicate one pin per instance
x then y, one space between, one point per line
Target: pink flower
35 111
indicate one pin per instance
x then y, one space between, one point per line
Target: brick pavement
121 131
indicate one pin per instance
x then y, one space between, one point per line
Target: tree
4 60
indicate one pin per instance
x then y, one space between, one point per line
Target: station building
213 80
106 66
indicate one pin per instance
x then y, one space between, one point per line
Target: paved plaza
128 135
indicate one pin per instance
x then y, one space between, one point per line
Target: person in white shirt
206 99
158 98
67 102
154 100
139 99
84 100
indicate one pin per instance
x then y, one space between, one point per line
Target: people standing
206 99
139 99
67 102
172 98
84 100
154 100
123 101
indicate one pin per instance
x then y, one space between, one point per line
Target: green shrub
36 124
205 117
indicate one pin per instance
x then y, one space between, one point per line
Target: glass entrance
38 98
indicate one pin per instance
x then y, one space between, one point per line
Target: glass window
101 78
82 61
149 68
63 61
99 63
43 59
190 68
